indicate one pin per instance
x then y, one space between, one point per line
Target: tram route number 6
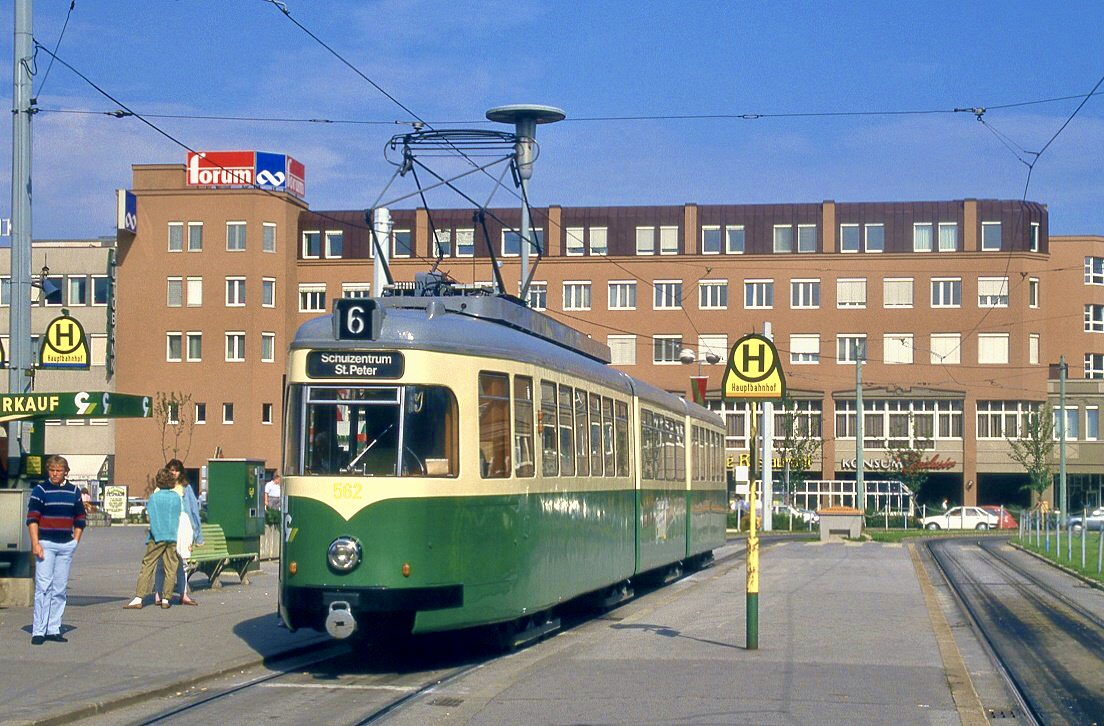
355 319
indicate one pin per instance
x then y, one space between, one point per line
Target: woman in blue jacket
188 534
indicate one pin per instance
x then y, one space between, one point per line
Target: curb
137 696
1069 571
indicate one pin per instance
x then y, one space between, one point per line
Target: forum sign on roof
271 172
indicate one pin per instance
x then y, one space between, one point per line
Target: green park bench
212 557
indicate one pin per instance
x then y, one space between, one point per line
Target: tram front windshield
407 431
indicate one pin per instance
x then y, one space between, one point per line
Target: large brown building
960 311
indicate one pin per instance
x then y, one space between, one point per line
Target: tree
176 422
911 461
1034 449
800 443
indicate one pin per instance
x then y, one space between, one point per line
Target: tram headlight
344 554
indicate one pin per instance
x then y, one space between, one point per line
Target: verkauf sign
261 169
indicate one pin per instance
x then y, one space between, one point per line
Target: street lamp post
699 382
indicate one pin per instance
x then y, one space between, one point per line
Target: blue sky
450 61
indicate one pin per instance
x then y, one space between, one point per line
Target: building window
442 242
804 349
576 296
174 343
235 292
668 241
711 241
1004 419
897 348
176 236
1070 419
402 243
992 292
195 236
268 347
598 241
194 292
268 237
268 292
465 243
645 240
1094 318
851 293
758 294
195 346
993 348
5 291
946 292
175 295
266 413
990 236
804 294
538 295
1034 236
897 292
359 290
717 344
1092 423
1033 292
575 241
1094 365
668 295
713 295
235 347
875 238
948 236
806 238
312 298
235 236
622 295
228 413
783 238
511 242
849 348
78 290
312 245
201 413
99 290
946 348
1094 270
98 349
922 236
666 349
734 239
622 349
172 413
335 244
1033 349
53 294
849 238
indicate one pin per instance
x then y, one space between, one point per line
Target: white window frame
951 343
170 337
574 293
268 339
194 242
805 294
175 245
193 292
228 412
174 284
268 292
598 241
847 353
236 224
1033 292
941 244
311 289
715 343
464 242
668 240
188 338
1094 270
538 295
306 251
666 338
804 349
235 291
614 299
234 347
710 293
77 283
917 239
395 244
619 345
731 236
332 238
759 294
802 239
844 246
667 295
898 348
993 349
987 245
946 283
268 236
891 286
784 248
845 302
712 229
1094 318
266 414
992 292
1034 342
359 290
866 237
645 240
575 241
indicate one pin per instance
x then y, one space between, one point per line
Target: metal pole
860 485
1084 529
19 331
381 222
766 428
751 631
1100 552
1063 501
526 131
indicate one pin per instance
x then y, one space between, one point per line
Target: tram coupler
340 623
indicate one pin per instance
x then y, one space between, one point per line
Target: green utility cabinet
235 501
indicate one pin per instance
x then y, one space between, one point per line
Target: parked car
1094 521
961 518
1008 522
136 507
796 514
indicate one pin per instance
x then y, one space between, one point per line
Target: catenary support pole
752 604
860 485
1063 498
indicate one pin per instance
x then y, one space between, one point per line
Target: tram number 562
347 490
355 319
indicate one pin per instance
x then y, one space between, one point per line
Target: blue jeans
51 581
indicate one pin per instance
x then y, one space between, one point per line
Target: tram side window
429 432
523 426
550 465
607 434
595 435
494 425
647 446
621 438
582 434
680 450
567 433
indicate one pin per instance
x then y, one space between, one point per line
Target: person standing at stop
55 521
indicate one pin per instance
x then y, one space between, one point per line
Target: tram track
1046 645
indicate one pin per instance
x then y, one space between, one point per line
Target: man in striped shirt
55 519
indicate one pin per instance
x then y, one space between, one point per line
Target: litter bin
235 501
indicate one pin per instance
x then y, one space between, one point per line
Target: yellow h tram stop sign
754 373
